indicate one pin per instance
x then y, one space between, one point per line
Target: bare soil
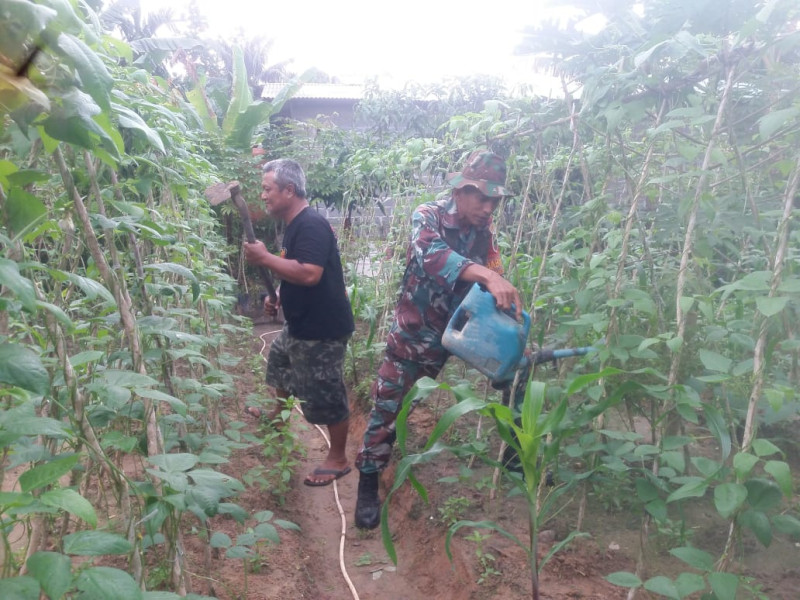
307 564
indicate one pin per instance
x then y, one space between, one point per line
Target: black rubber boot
368 505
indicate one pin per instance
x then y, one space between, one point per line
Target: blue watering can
490 340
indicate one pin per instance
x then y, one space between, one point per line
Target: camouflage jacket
431 291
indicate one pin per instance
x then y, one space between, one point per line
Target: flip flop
337 473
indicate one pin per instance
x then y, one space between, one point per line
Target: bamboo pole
762 322
688 243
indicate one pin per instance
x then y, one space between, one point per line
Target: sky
412 40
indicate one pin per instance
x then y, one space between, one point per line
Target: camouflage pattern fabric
396 377
430 292
311 371
484 170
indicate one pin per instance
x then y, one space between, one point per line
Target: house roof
317 91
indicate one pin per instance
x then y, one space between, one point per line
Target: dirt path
319 511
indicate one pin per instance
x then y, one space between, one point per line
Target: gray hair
287 171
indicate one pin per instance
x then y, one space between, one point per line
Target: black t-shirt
321 311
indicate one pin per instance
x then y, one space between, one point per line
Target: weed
614 491
753 589
485 559
364 560
453 510
671 534
280 445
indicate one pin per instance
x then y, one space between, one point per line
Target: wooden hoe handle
247 224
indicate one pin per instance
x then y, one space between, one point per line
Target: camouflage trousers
396 377
311 371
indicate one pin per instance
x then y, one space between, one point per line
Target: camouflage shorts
311 371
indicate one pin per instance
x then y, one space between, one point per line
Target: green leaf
450 416
624 579
782 474
48 473
241 97
53 571
199 102
695 488
772 122
675 343
102 583
95 78
57 312
72 502
83 358
267 531
14 499
130 120
20 286
177 405
287 525
23 210
686 303
715 362
239 514
662 585
716 424
724 585
257 113
22 368
95 543
728 497
206 498
174 463
758 523
694 557
787 524
582 381
689 583
762 494
19 426
743 464
19 588
239 552
220 540
178 270
90 287
771 306
36 17
657 509
764 448
126 379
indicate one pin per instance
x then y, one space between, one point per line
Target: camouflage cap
483 170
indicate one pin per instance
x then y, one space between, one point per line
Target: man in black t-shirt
307 357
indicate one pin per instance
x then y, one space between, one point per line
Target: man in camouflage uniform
452 247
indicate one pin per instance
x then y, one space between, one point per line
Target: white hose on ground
342 566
